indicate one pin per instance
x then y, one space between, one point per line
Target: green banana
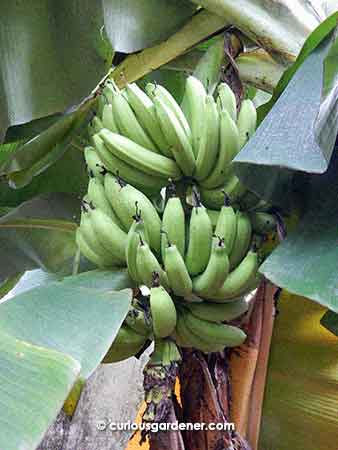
97 196
200 238
139 157
173 223
112 238
208 149
216 271
226 100
136 230
163 311
123 198
263 222
127 343
147 266
228 149
108 120
163 94
95 125
214 198
144 110
94 163
128 124
242 240
238 281
185 338
226 227
91 237
147 183
165 352
194 108
87 251
246 122
216 312
178 141
226 335
213 216
136 319
177 273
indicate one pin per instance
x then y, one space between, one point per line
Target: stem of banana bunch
201 26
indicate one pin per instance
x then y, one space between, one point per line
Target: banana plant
60 315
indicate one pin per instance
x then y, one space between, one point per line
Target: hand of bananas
198 263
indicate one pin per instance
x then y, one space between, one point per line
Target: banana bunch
198 260
146 138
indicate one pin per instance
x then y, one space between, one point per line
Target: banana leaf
301 396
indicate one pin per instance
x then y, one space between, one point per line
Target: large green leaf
68 175
283 141
306 262
79 315
39 233
34 383
57 53
301 393
27 161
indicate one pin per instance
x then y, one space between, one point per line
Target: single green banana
174 133
94 163
213 215
118 353
233 189
228 149
216 271
165 352
246 122
136 230
226 227
95 125
238 281
108 120
173 225
194 108
136 319
242 240
216 312
88 252
177 273
147 183
162 93
97 196
91 238
139 157
163 312
112 238
185 338
148 265
209 144
128 124
144 110
123 198
226 335
226 100
263 222
200 239
127 343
